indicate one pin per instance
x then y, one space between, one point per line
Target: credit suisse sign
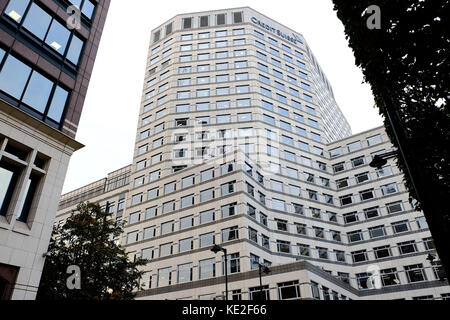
294 38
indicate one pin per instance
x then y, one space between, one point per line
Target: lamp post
381 159
216 248
262 268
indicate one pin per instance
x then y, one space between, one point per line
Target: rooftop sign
294 38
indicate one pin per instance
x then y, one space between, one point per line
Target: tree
406 63
86 240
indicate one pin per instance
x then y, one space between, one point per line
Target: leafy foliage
406 62
87 240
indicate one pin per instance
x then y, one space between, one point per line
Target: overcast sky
110 115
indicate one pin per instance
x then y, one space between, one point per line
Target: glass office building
46 60
241 144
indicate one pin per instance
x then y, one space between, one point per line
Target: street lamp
381 159
262 268
216 248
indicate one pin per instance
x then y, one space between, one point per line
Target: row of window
390 277
28 15
315 232
203 22
32 91
11 171
355 146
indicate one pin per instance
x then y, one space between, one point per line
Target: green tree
86 240
406 63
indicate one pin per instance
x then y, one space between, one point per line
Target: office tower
47 53
241 144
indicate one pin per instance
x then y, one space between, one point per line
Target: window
149 232
187 23
207 268
367 194
400 226
132 237
151 212
207 239
394 207
342 183
340 255
206 195
338 167
354 146
221 19
233 265
167 227
35 90
283 246
152 193
372 212
346 200
147 253
376 232
362 177
356 162
278 205
206 216
185 245
222 91
415 273
187 181
407 247
422 223
137 198
184 273
389 189
359 256
289 290
230 234
384 172
318 232
203 68
228 188
240 53
282 225
237 32
187 201
355 236
382 252
322 253
203 22
241 76
374 140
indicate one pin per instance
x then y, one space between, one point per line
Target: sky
110 115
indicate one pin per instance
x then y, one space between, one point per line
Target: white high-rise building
241 144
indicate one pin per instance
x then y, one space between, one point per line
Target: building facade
240 143
47 53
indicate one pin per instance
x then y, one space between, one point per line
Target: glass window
184 273
187 201
207 216
164 277
88 9
38 92
37 21
58 37
186 245
186 222
14 76
207 268
206 240
206 195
